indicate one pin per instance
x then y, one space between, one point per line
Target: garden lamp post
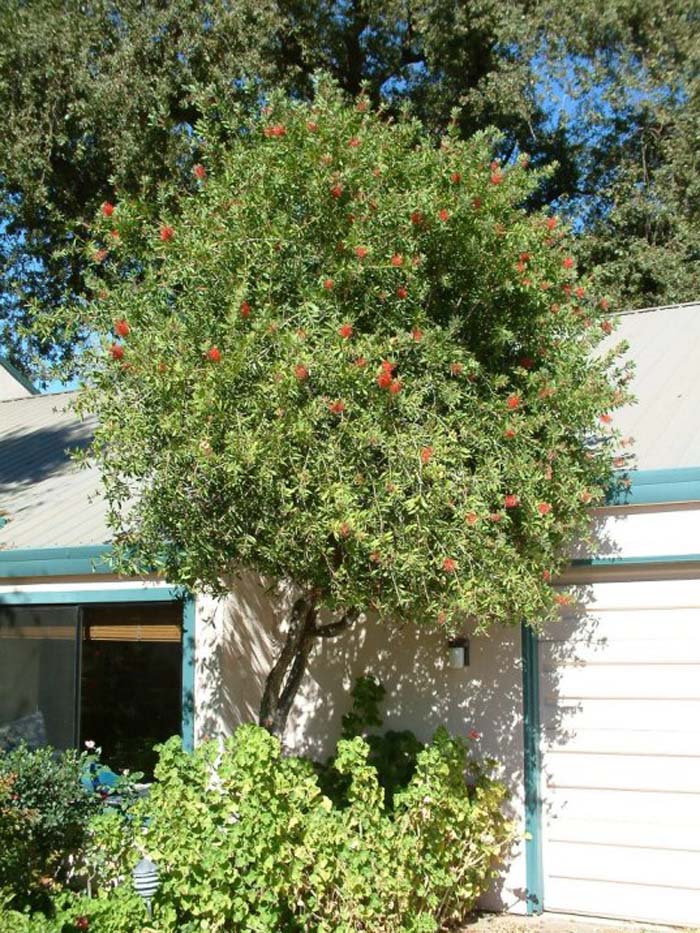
145 877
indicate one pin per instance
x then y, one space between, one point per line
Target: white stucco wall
236 641
11 388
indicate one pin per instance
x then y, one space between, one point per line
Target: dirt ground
555 923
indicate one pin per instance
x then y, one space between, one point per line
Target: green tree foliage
102 98
353 361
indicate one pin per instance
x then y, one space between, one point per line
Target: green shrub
245 840
44 813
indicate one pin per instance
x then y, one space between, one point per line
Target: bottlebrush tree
346 356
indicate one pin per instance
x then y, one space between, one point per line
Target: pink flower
167 233
328 284
471 518
345 331
544 508
361 251
605 419
449 565
568 263
397 259
496 178
337 407
511 501
426 454
354 142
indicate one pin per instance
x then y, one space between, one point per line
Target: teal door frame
58 562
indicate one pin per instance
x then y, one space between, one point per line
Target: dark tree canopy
100 99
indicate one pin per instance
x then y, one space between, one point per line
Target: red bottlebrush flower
114 233
606 327
426 454
471 518
384 380
546 576
337 191
526 283
337 407
585 497
101 255
455 178
344 530
121 328
311 126
417 218
513 401
449 565
360 362
301 372
167 233
199 171
354 142
520 267
456 369
396 386
328 284
619 462
496 178
361 251
116 351
525 257
511 501
402 292
551 223
562 599
107 209
82 923
495 517
275 131
568 263
603 304
605 419
388 367
509 433
444 214
245 309
476 204
566 289
345 331
397 259
214 354
417 334
526 362
474 735
579 292
544 508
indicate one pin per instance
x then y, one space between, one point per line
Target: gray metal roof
665 421
45 498
49 502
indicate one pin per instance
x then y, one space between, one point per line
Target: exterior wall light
458 653
146 882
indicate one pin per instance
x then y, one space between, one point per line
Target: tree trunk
284 679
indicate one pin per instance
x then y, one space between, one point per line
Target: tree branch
335 628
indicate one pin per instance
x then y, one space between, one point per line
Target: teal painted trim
55 561
121 595
651 487
89 596
624 561
532 770
188 669
20 377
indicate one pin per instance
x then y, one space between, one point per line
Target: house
596 721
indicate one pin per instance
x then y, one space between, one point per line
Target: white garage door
620 710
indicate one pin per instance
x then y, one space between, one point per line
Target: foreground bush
246 841
44 814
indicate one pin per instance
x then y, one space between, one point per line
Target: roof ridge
682 304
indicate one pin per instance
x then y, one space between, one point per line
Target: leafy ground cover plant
246 841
